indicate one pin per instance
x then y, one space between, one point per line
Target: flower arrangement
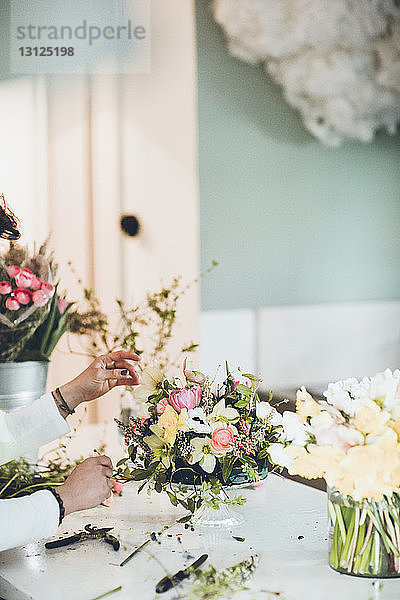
33 316
352 440
195 440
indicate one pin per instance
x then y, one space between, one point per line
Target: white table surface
276 514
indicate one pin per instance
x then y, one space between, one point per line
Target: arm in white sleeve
28 519
30 427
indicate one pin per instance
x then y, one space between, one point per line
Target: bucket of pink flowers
32 315
33 318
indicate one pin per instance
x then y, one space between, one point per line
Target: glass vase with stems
364 536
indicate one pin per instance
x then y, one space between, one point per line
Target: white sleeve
28 519
30 427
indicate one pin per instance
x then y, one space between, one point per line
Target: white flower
224 413
330 433
265 411
278 455
197 420
348 395
150 378
385 390
294 429
202 454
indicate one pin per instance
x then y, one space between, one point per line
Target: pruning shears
87 534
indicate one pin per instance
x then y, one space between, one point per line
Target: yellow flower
370 471
171 421
150 378
371 419
306 406
316 461
395 425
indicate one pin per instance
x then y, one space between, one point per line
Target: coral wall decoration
338 61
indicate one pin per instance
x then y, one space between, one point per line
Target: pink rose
22 295
223 439
13 270
161 406
62 305
117 487
36 283
48 289
185 398
12 303
23 279
5 287
40 298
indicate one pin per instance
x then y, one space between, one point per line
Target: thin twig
128 558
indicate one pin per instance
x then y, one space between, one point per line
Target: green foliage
42 343
14 339
211 584
227 466
18 478
146 328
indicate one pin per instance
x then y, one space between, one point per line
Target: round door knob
130 225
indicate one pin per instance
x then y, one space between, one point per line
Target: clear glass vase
364 537
224 517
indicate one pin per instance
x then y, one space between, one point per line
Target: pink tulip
23 279
223 439
62 305
48 289
236 382
185 398
5 287
117 487
191 376
36 283
22 295
40 298
161 406
13 271
12 303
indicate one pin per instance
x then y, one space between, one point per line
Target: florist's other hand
101 376
88 485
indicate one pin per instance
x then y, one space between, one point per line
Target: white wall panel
290 346
322 343
227 335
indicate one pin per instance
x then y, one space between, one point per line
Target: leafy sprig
211 584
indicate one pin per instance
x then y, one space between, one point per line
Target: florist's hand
88 485
101 376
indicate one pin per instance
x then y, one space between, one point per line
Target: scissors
90 532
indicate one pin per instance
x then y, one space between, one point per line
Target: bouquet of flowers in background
352 440
198 438
32 315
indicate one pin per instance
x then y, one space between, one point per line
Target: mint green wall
289 220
